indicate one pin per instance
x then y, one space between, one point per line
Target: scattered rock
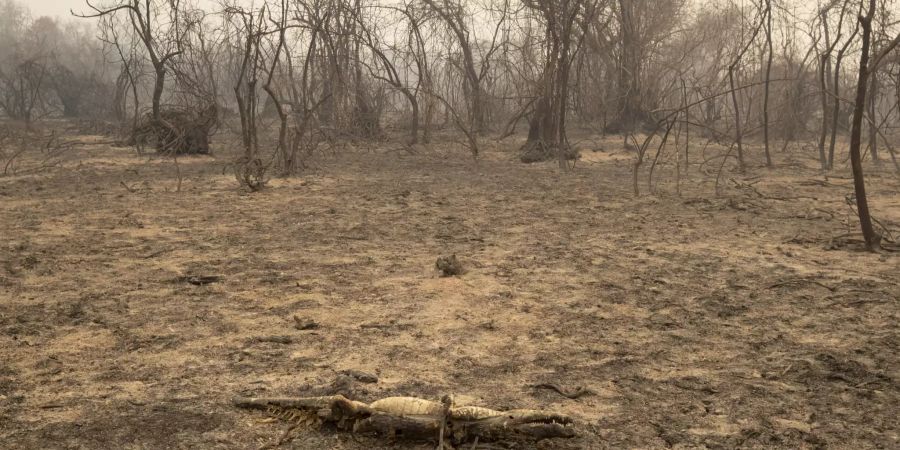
275 339
305 324
199 280
573 394
786 424
449 266
362 377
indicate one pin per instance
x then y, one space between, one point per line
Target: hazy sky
53 8
60 8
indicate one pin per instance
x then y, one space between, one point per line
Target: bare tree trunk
824 68
283 149
562 94
455 21
865 219
873 120
414 120
771 56
687 127
824 79
836 113
738 131
547 128
629 109
245 87
738 135
158 88
823 132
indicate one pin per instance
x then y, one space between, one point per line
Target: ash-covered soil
698 320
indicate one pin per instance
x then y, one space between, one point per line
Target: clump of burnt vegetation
178 131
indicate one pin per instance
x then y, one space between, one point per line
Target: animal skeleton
415 418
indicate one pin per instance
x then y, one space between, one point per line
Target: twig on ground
800 281
573 394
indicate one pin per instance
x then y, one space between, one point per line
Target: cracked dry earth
698 321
